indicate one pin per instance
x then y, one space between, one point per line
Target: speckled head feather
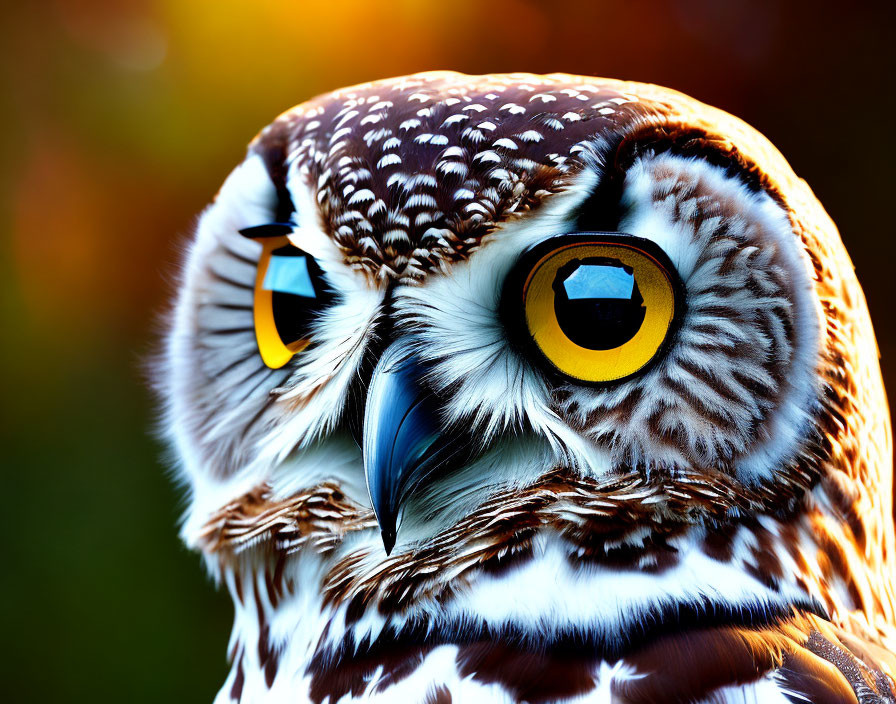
412 173
715 527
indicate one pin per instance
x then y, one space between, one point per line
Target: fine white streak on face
315 393
455 326
511 464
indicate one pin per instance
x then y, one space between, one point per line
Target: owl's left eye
289 292
598 307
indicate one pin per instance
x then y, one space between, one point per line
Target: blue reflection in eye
289 274
599 281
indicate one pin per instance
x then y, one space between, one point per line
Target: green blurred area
121 119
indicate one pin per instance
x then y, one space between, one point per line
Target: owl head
521 354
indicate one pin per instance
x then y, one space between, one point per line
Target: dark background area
121 119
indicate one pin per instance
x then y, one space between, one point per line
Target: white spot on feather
487 156
388 160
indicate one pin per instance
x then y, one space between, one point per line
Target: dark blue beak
404 442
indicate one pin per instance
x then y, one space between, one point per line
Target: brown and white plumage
714 528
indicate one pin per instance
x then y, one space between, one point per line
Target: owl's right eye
290 291
596 307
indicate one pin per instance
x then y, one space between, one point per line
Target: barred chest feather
791 661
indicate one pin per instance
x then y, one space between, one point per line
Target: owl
518 388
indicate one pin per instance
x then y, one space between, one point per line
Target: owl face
561 319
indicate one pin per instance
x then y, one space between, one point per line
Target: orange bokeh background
122 119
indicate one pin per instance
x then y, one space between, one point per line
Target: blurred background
121 119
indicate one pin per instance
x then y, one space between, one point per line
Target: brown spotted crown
414 172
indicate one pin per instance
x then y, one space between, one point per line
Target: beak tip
388 535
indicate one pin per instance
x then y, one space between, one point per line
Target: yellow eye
598 307
289 291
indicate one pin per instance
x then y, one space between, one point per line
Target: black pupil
597 302
293 314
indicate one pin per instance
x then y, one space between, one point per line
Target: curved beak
404 442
